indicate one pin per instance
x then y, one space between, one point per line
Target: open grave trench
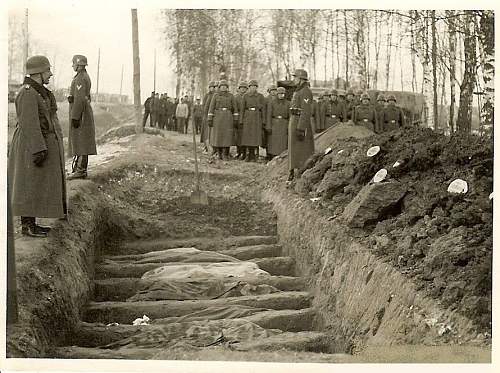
198 277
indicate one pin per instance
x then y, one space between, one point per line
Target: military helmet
391 98
211 84
381 97
272 87
243 84
300 73
281 90
37 64
253 82
326 93
223 82
365 96
334 92
341 93
80 60
359 92
350 92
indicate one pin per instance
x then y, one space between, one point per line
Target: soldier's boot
226 154
29 228
248 156
219 153
80 172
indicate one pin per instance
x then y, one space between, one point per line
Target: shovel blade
199 197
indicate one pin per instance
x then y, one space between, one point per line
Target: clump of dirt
443 241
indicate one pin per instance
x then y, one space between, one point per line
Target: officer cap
253 82
350 92
223 82
333 92
80 60
211 84
381 97
37 64
243 84
391 98
365 96
300 73
281 90
272 87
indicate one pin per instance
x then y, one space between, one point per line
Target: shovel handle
195 160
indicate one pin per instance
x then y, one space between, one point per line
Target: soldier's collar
36 86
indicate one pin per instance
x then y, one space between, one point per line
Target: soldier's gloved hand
71 99
301 134
75 123
39 157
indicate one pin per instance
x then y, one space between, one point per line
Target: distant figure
379 109
81 138
393 116
241 151
278 112
364 114
197 115
205 130
332 111
350 104
182 113
155 110
251 119
36 161
147 111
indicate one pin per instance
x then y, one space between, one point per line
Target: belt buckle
334 116
365 120
251 108
223 108
393 121
279 117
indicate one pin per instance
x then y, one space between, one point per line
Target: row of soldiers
249 120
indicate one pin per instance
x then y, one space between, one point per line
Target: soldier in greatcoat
205 133
350 104
81 138
242 89
147 111
379 109
271 95
393 116
278 112
300 136
251 119
36 172
322 99
365 114
222 119
333 111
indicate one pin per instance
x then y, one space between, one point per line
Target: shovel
198 197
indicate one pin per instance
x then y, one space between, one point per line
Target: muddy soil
440 240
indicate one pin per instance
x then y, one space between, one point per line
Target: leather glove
75 123
39 158
301 134
71 99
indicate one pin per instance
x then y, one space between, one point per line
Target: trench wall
359 298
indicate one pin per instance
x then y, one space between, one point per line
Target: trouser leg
145 118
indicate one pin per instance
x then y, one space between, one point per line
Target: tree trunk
413 55
337 50
452 45
434 69
346 50
464 120
388 52
487 63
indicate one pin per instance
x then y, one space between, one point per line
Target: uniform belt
331 116
251 108
393 121
223 108
280 117
365 120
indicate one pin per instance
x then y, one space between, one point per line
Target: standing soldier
300 136
277 124
379 109
147 112
350 104
242 88
155 110
36 160
81 138
222 119
393 116
271 95
341 94
364 114
204 135
170 114
181 114
322 99
251 119
197 115
333 111
162 112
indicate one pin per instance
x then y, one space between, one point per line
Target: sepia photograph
261 185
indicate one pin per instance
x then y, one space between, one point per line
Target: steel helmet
271 88
80 60
253 82
365 96
243 84
223 82
37 64
341 93
211 84
350 92
326 93
300 73
281 90
334 92
381 97
391 98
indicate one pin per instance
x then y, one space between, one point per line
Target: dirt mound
340 132
443 241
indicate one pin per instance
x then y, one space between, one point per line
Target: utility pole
121 85
137 72
154 74
98 66
26 41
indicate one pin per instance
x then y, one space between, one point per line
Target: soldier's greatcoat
81 140
379 109
365 115
223 109
300 150
239 131
251 118
37 191
393 118
331 113
278 112
204 135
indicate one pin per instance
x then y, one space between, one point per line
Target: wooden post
137 73
98 66
121 85
11 267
